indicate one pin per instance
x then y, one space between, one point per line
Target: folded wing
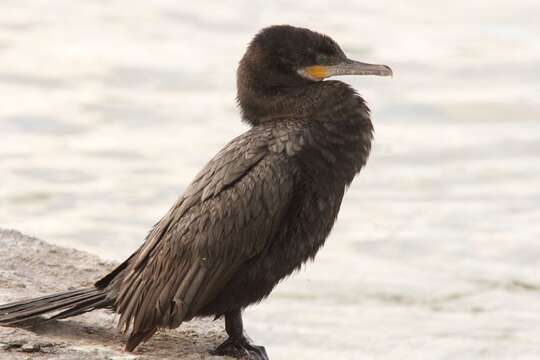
226 216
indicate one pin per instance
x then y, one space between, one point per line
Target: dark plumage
256 212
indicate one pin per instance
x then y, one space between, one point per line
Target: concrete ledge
30 267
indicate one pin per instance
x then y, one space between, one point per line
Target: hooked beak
347 67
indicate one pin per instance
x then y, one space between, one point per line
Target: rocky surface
31 267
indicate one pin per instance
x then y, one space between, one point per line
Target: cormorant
257 211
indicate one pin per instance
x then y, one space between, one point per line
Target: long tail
69 303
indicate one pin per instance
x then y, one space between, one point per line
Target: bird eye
323 59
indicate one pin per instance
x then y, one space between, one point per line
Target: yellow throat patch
316 72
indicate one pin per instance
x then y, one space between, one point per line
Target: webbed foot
241 348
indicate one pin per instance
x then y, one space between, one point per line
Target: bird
258 210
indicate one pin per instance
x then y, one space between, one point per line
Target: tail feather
73 303
83 307
28 302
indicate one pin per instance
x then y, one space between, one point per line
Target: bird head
279 73
284 55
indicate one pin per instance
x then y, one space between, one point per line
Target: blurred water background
109 108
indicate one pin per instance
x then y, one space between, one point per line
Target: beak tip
389 71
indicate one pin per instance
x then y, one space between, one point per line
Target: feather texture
225 217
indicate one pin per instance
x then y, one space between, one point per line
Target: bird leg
238 344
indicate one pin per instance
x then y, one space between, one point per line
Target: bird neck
315 100
335 120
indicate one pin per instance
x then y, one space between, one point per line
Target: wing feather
224 218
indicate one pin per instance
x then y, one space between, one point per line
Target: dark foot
241 348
